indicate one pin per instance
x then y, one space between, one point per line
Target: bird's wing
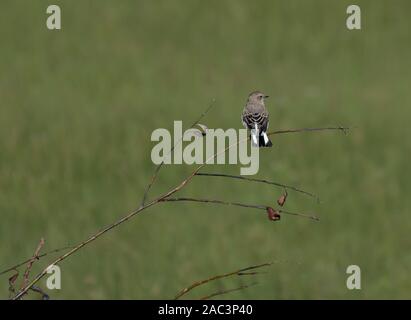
252 118
264 124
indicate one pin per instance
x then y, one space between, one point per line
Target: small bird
255 118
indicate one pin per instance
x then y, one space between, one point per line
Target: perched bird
255 118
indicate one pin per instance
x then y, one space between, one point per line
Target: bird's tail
262 140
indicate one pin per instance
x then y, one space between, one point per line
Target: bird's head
257 97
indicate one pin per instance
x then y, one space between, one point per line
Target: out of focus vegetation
77 108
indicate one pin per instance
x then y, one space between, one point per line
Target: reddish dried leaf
273 215
282 199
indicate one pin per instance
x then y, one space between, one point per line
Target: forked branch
163 198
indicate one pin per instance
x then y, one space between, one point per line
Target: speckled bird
255 118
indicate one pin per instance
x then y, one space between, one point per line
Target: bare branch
28 260
238 204
260 181
343 129
135 212
12 281
157 169
213 278
81 245
254 206
30 263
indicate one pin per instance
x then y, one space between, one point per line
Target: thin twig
259 180
30 263
12 281
153 179
343 129
158 167
221 292
303 215
238 204
250 273
28 260
213 278
81 245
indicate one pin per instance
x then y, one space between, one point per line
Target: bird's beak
266 97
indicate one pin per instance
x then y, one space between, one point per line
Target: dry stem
240 272
144 206
258 180
30 263
239 204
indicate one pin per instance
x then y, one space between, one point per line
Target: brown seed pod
273 215
282 199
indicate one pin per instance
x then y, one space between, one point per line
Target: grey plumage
255 117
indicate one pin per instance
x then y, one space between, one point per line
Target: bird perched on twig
255 118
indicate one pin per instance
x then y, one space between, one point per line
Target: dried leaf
272 214
282 199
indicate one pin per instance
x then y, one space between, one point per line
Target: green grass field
77 108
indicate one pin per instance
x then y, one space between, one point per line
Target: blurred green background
77 108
